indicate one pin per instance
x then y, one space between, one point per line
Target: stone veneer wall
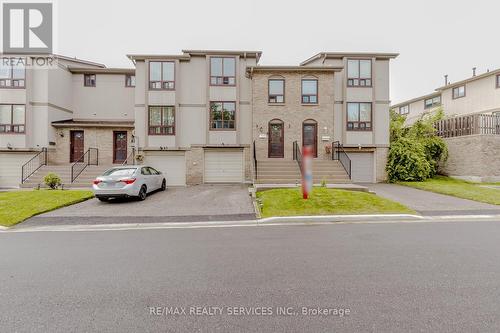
473 157
100 138
292 112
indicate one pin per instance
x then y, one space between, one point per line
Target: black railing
35 163
91 157
338 153
130 160
297 155
255 159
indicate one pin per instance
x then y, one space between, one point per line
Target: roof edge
335 55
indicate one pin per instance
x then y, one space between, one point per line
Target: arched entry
310 135
276 139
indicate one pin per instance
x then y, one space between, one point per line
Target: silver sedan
128 181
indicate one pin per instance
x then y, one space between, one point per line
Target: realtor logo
27 28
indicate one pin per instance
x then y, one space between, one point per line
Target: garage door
171 164
10 168
223 166
362 167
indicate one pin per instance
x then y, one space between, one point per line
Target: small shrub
323 183
52 180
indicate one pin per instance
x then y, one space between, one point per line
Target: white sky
433 37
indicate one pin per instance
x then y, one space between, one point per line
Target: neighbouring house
200 116
471 127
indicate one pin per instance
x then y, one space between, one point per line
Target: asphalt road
391 277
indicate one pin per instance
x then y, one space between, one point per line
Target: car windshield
120 172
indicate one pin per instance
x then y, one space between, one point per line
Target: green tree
416 152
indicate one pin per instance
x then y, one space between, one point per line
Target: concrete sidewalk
432 204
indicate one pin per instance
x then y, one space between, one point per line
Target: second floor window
458 92
276 91
498 81
359 116
129 80
12 118
12 75
222 115
309 91
405 109
162 75
222 71
432 102
359 73
89 80
161 120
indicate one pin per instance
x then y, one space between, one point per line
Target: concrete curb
340 218
271 221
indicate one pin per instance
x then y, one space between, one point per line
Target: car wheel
143 193
163 185
102 199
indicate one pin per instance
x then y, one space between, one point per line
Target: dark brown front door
76 146
119 147
310 136
276 140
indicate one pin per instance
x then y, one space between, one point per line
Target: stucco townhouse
200 116
471 126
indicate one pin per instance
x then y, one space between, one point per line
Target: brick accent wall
100 138
292 112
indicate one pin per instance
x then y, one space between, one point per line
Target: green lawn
17 206
323 201
458 188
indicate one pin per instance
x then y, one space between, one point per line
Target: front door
276 140
76 146
119 147
310 137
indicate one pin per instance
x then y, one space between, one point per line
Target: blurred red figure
307 179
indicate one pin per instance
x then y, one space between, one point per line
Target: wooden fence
468 125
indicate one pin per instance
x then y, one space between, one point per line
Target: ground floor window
222 115
12 118
161 120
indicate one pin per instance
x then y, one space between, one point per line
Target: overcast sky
433 37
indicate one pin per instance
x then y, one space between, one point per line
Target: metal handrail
254 159
84 161
338 153
131 155
32 166
297 155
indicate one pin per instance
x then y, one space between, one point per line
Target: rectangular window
498 81
276 91
405 109
161 120
162 75
129 80
222 115
359 73
309 91
89 80
458 92
432 102
12 118
222 71
13 75
359 116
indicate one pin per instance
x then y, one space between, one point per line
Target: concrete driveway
432 204
194 203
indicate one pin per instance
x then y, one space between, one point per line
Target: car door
155 174
146 175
